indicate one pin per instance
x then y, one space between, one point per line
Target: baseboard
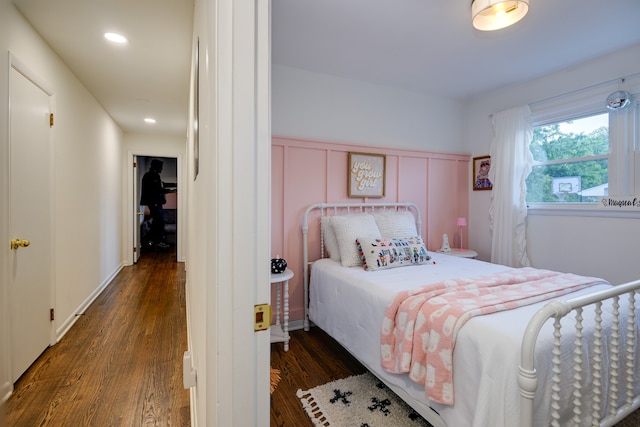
192 391
295 325
71 320
193 409
5 391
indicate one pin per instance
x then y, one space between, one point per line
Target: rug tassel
275 378
313 409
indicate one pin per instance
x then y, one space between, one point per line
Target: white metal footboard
622 380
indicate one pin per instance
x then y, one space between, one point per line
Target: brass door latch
262 317
17 243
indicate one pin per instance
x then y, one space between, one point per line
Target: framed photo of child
481 166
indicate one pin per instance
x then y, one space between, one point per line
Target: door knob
16 243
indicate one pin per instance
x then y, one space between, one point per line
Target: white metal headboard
341 209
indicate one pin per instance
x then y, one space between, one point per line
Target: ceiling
418 45
148 77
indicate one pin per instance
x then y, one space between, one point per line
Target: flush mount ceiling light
489 15
150 120
618 100
116 38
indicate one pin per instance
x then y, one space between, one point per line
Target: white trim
296 325
22 68
130 206
582 102
6 391
193 401
578 209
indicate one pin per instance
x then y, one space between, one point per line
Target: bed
570 360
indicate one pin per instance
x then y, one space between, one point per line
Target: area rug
275 379
358 401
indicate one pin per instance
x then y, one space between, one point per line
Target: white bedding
349 303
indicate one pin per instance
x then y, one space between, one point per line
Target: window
582 151
571 161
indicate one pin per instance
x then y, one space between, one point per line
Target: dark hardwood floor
313 358
121 363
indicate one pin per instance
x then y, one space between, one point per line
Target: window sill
580 209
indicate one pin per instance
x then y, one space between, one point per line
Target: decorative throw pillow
396 224
330 241
347 228
379 254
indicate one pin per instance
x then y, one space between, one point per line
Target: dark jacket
153 191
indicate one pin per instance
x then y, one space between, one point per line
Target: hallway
121 363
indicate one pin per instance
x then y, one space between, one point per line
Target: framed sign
481 166
366 175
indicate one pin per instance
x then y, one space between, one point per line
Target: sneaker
162 245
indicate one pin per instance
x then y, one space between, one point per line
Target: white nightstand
464 253
280 331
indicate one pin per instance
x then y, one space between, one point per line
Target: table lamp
461 222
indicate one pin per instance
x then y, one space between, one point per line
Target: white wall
87 156
154 145
594 245
317 106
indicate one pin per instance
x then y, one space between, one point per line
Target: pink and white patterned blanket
420 326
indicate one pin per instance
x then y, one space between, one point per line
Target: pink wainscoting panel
305 184
413 187
462 191
277 200
443 187
277 207
305 172
391 179
172 201
337 177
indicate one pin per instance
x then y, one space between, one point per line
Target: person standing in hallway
152 195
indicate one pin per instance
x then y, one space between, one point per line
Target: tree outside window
571 161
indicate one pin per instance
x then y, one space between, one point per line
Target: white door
30 220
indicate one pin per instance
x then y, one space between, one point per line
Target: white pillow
396 225
380 254
347 229
330 241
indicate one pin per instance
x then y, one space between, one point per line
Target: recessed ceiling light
150 120
116 38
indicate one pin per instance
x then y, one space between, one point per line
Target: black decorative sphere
278 265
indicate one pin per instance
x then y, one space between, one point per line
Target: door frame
132 206
20 67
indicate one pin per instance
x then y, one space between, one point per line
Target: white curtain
511 163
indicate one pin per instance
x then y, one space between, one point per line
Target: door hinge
135 249
51 120
52 314
135 165
262 318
